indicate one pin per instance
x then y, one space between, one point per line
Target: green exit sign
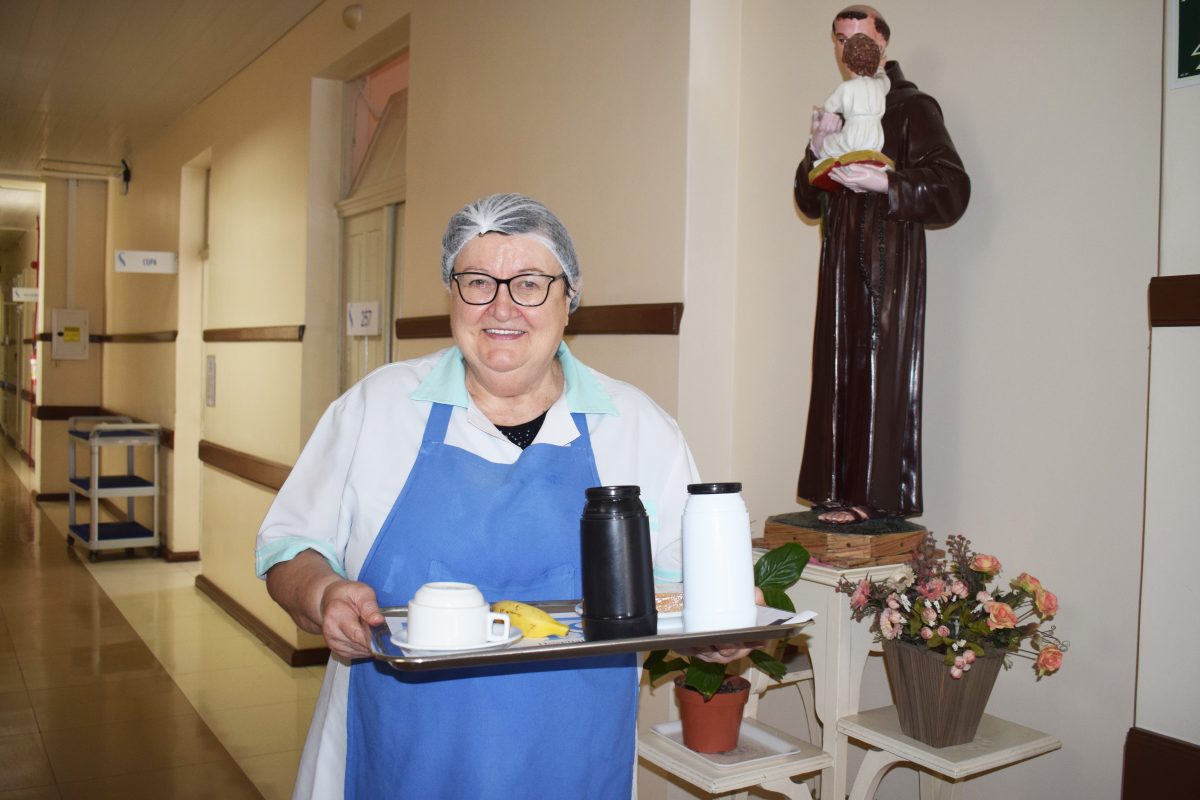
1186 42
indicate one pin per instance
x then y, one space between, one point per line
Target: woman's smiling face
505 343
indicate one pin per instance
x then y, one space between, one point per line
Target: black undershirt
523 435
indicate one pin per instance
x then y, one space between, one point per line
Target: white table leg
785 787
933 787
874 766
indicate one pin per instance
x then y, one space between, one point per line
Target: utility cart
98 433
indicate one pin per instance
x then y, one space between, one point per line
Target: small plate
400 639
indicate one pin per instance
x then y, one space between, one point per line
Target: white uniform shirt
352 469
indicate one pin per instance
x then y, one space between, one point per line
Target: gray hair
512 215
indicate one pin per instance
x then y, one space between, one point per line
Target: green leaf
768 664
777 598
705 677
659 666
781 567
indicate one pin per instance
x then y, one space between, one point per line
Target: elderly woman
470 464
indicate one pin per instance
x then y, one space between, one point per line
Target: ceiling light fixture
79 169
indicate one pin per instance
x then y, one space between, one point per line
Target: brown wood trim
292 655
1174 301
8 388
629 318
139 338
50 497
31 340
252 468
1157 765
63 413
269 333
645 318
174 556
28 396
423 327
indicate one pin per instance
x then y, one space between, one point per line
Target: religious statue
862 449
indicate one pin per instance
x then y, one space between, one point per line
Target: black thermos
617 565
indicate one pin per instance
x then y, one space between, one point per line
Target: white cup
453 615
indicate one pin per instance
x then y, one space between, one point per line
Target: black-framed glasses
530 289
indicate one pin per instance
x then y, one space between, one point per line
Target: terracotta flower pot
933 707
711 726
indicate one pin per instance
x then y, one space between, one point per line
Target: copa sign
146 261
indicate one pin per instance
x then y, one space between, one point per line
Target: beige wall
1036 338
1167 699
74 233
590 119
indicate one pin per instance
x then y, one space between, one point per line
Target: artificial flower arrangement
946 605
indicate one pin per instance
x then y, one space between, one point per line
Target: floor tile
16 714
258 730
183 656
245 686
134 746
107 702
274 774
212 781
35 793
82 665
10 673
23 763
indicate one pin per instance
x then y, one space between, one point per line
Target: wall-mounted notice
1183 43
25 294
159 261
362 319
70 339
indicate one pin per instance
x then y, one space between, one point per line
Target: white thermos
718 563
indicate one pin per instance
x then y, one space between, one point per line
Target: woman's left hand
731 651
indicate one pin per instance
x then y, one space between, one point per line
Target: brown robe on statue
863 443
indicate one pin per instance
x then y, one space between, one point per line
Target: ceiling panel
86 80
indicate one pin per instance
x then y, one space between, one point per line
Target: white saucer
401 640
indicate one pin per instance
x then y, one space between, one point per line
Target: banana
533 621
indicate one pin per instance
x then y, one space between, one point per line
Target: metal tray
774 624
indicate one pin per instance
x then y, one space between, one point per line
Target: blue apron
562 729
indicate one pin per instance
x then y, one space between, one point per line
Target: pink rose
1048 660
956 673
862 594
889 623
893 600
1026 583
928 615
943 631
933 589
959 662
1045 602
988 565
926 634
959 589
969 656
983 597
1001 615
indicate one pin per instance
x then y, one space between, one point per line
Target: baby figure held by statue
848 129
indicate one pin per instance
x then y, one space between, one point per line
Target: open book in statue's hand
819 175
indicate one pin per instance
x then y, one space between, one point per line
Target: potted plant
710 699
946 633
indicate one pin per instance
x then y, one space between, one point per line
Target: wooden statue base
859 544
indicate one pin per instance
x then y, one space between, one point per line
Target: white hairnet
513 215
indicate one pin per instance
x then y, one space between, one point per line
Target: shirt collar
447 383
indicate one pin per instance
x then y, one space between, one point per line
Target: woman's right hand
321 601
348 610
